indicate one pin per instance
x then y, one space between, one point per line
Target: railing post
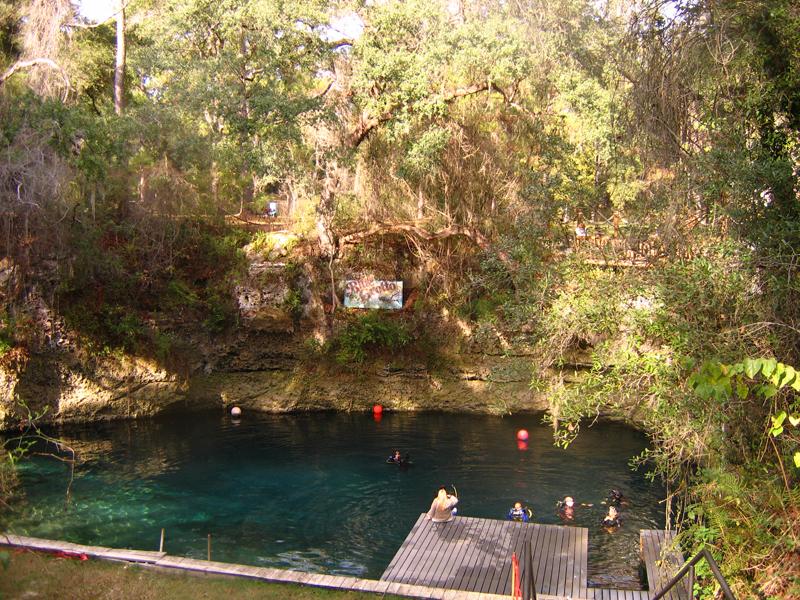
718 574
688 567
530 582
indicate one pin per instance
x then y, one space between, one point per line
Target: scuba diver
566 508
517 513
611 521
616 498
397 459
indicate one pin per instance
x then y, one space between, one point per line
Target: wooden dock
662 559
474 555
466 559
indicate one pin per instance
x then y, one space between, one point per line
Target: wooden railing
688 567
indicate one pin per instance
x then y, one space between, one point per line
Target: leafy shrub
220 313
372 332
179 294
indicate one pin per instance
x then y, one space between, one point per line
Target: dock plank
415 554
478 574
540 560
492 565
499 556
516 532
464 573
583 573
400 554
446 534
457 547
661 562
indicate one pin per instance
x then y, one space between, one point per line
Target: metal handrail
688 567
527 575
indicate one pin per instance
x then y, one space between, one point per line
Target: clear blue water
313 491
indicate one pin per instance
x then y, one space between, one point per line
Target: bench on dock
662 560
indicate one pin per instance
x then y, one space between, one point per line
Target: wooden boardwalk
661 561
466 559
474 555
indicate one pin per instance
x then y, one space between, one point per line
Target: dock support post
161 544
209 546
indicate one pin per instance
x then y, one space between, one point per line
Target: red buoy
522 445
377 409
522 435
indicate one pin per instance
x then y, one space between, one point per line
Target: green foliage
7 328
179 294
366 334
116 284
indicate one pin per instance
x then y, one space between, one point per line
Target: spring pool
313 491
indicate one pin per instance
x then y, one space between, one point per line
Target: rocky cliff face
258 370
264 364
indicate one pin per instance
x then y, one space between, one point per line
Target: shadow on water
313 491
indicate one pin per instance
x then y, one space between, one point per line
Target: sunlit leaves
777 423
764 377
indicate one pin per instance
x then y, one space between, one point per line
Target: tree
119 66
243 72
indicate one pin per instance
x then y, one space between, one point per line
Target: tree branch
24 64
415 231
367 124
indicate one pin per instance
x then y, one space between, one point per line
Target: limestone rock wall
263 364
60 386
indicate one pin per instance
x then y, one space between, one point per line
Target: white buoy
236 411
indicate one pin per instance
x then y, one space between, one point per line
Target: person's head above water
569 502
518 505
612 512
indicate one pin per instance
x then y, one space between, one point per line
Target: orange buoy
522 435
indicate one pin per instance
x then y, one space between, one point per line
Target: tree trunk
119 67
215 183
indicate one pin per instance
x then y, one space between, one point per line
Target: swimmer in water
611 520
517 513
397 459
616 498
566 509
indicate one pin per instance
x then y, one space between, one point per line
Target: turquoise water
313 491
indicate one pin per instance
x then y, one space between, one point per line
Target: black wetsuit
609 522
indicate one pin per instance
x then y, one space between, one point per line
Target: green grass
36 575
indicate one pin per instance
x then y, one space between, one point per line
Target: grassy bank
36 575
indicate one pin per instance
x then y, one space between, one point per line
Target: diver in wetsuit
566 509
611 521
616 498
397 459
517 513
